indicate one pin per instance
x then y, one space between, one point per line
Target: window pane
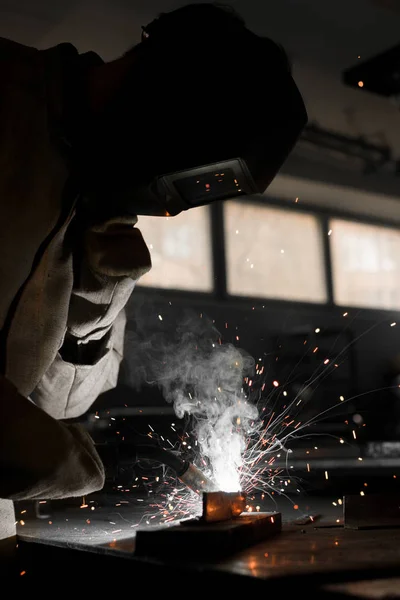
365 265
180 249
273 253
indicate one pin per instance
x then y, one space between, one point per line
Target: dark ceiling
317 32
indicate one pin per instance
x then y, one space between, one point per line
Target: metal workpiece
196 539
222 506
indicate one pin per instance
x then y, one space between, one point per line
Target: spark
392 324
263 466
160 317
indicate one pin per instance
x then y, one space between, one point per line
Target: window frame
326 274
219 294
174 291
382 223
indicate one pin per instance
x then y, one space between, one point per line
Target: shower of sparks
265 470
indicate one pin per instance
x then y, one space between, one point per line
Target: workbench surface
316 550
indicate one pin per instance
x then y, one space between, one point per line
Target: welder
201 110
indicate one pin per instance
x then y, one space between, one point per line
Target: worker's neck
105 80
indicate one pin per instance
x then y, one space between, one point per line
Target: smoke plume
202 377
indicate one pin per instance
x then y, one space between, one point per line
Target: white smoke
203 378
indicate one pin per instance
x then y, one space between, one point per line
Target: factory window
181 251
274 253
365 265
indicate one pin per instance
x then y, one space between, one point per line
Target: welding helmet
206 127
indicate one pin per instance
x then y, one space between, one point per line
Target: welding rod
127 454
187 472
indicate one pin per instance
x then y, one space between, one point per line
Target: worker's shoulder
17 59
9 49
15 51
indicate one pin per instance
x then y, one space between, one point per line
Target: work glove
109 258
116 248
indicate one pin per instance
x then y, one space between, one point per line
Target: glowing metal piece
222 506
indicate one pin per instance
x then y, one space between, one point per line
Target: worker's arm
41 457
107 266
89 360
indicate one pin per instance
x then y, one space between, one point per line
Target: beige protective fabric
41 457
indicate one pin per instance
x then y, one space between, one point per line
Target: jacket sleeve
89 360
40 457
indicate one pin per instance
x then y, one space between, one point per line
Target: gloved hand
116 248
110 256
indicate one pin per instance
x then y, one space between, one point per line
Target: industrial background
306 278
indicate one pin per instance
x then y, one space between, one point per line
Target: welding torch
128 454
